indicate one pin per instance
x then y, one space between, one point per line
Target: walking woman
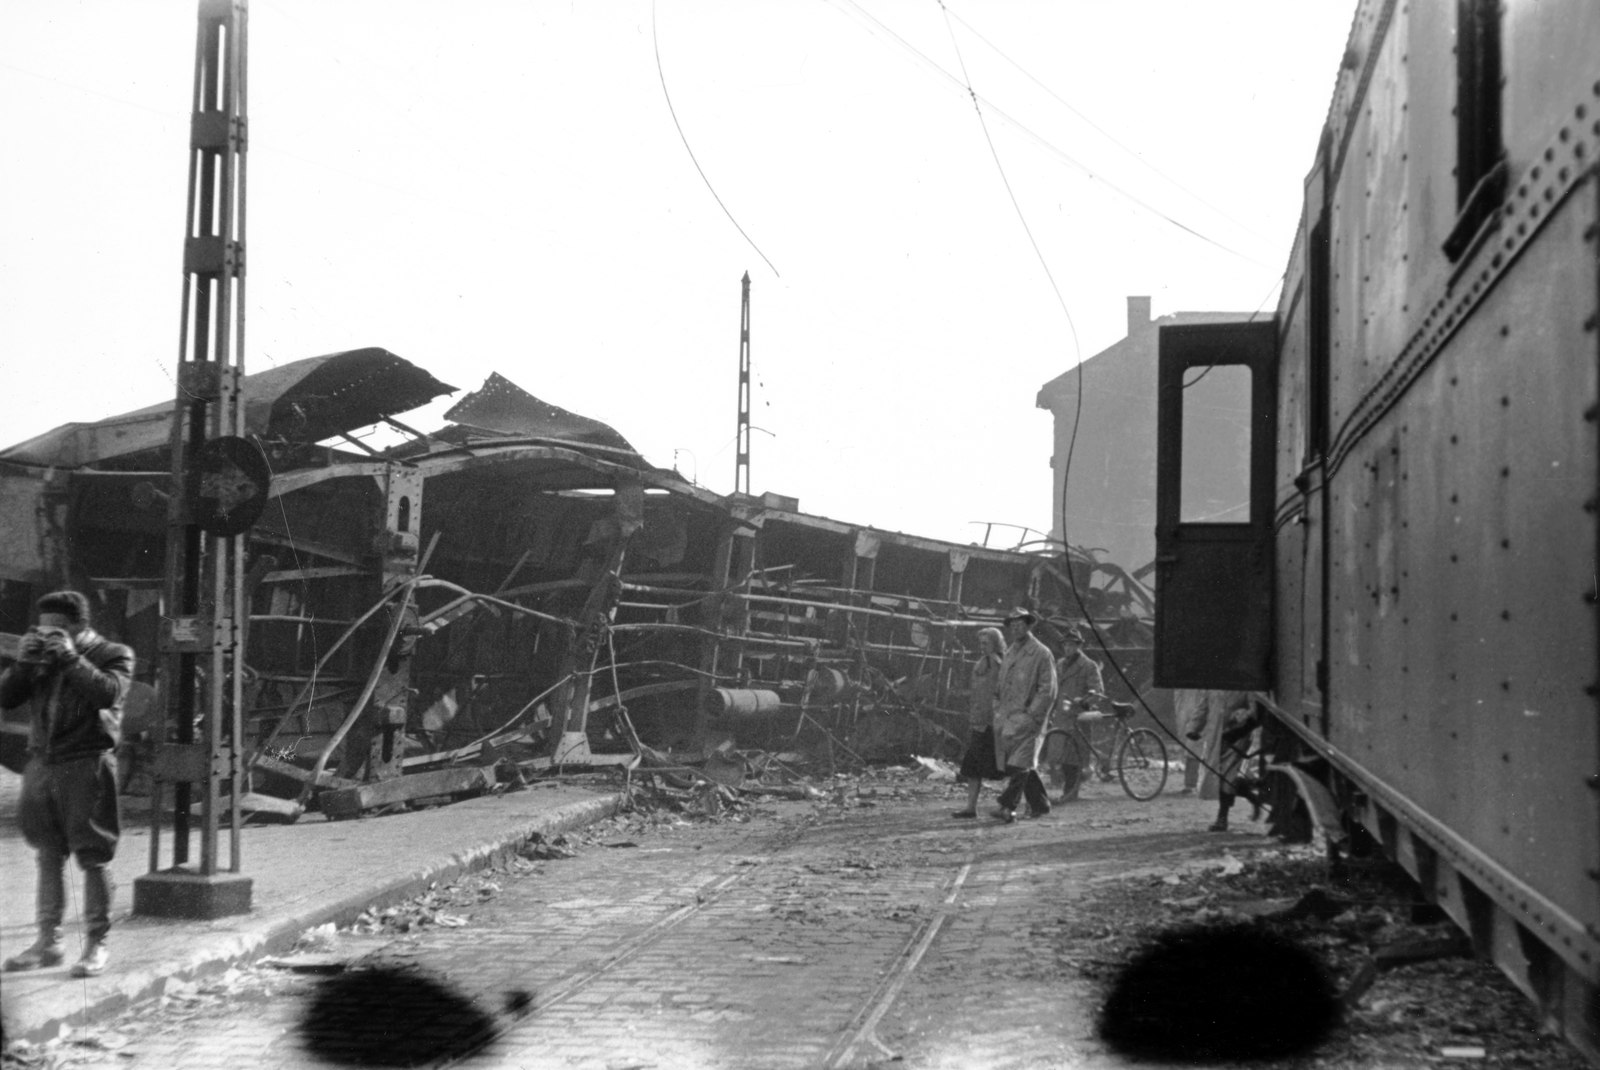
978 764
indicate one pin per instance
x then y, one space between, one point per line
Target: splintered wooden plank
351 802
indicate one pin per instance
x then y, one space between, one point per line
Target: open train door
1216 411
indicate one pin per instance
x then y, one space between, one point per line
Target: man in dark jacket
1082 688
72 681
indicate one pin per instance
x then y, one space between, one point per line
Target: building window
1480 153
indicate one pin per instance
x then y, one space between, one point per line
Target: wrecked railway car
520 586
1415 580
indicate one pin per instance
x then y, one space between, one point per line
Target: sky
508 190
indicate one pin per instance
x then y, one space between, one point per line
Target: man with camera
72 682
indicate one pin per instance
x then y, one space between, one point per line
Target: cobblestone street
807 935
864 929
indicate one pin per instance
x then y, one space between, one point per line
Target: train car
1414 582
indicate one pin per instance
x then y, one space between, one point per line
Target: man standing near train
1022 710
73 682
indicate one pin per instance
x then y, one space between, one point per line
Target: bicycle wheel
1142 764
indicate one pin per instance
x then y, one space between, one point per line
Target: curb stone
274 936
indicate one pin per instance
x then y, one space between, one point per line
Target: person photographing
72 681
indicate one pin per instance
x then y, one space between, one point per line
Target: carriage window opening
1214 469
1319 324
1480 174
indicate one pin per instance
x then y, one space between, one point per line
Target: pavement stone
799 928
304 875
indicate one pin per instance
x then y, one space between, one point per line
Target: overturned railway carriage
1415 580
520 586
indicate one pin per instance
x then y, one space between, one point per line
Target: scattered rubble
1413 994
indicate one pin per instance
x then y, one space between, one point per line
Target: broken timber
621 595
343 803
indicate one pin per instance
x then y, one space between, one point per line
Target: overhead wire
1252 319
1077 348
655 38
1072 441
1049 146
1102 131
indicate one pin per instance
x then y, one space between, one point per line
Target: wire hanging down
660 72
1077 349
1103 132
1047 145
1066 472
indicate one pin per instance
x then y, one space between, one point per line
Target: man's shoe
964 813
94 960
43 953
1038 813
1006 816
1219 825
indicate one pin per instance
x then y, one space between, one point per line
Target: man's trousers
70 808
1025 783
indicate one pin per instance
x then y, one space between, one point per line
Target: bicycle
1138 755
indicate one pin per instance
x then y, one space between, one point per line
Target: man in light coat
1226 720
1022 708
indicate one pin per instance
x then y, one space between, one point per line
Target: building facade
1111 489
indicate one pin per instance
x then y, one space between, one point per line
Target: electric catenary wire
1072 441
1078 414
1051 147
983 123
1102 131
656 40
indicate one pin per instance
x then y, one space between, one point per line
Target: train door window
1216 447
1320 341
1480 152
1214 469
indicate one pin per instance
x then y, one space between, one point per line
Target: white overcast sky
500 187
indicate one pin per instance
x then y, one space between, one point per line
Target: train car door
1216 409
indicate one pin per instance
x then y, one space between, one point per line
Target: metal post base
183 893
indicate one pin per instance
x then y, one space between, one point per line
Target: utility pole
741 464
219 486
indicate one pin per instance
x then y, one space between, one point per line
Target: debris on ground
1413 993
441 906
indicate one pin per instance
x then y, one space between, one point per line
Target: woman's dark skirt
978 763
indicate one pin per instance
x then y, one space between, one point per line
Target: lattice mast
741 464
202 640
